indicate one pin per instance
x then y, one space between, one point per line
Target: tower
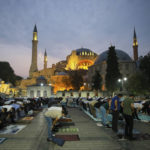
33 67
45 60
135 47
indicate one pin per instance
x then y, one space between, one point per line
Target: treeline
7 73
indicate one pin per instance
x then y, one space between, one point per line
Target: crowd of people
13 110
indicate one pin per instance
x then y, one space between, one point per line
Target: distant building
78 59
40 89
82 58
127 65
7 89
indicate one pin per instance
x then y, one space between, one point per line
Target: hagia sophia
81 58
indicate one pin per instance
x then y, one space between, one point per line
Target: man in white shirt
53 113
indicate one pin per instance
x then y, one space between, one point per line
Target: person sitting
52 115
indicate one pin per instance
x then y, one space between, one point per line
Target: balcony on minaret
35 36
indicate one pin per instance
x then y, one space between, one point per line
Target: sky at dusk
65 25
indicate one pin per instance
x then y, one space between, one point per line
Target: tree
137 83
7 73
112 71
76 78
145 67
97 81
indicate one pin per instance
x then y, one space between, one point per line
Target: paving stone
92 137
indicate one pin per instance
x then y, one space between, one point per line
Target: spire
134 36
135 46
45 60
35 29
45 54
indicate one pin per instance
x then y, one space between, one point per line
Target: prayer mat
67 123
28 118
69 137
12 129
65 120
58 141
2 140
69 130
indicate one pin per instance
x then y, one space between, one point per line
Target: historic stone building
56 75
82 58
40 89
127 65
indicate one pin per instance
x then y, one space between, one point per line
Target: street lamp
122 82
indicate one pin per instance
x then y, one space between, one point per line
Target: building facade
40 89
127 65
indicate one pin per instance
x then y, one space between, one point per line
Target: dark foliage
112 71
7 73
97 81
145 66
76 78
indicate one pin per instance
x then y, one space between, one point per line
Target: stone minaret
33 67
45 60
135 47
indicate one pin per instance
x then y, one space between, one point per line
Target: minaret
45 60
33 67
135 47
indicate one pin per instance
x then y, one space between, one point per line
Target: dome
83 50
41 79
61 73
122 56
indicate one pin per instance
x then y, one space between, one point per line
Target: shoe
107 126
122 139
99 124
49 140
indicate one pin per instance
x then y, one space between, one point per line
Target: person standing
128 108
115 107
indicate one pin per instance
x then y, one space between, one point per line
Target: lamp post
124 79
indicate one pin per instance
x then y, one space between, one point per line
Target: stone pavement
92 137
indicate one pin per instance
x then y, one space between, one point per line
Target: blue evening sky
65 25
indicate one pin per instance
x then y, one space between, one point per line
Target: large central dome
84 51
80 58
122 56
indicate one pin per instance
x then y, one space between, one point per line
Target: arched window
31 93
45 94
38 93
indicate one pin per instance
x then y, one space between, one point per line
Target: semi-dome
80 51
41 79
122 56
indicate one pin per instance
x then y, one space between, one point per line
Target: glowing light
119 80
125 79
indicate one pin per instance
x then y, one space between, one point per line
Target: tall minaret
33 67
135 47
45 60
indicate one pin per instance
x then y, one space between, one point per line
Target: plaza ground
92 137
